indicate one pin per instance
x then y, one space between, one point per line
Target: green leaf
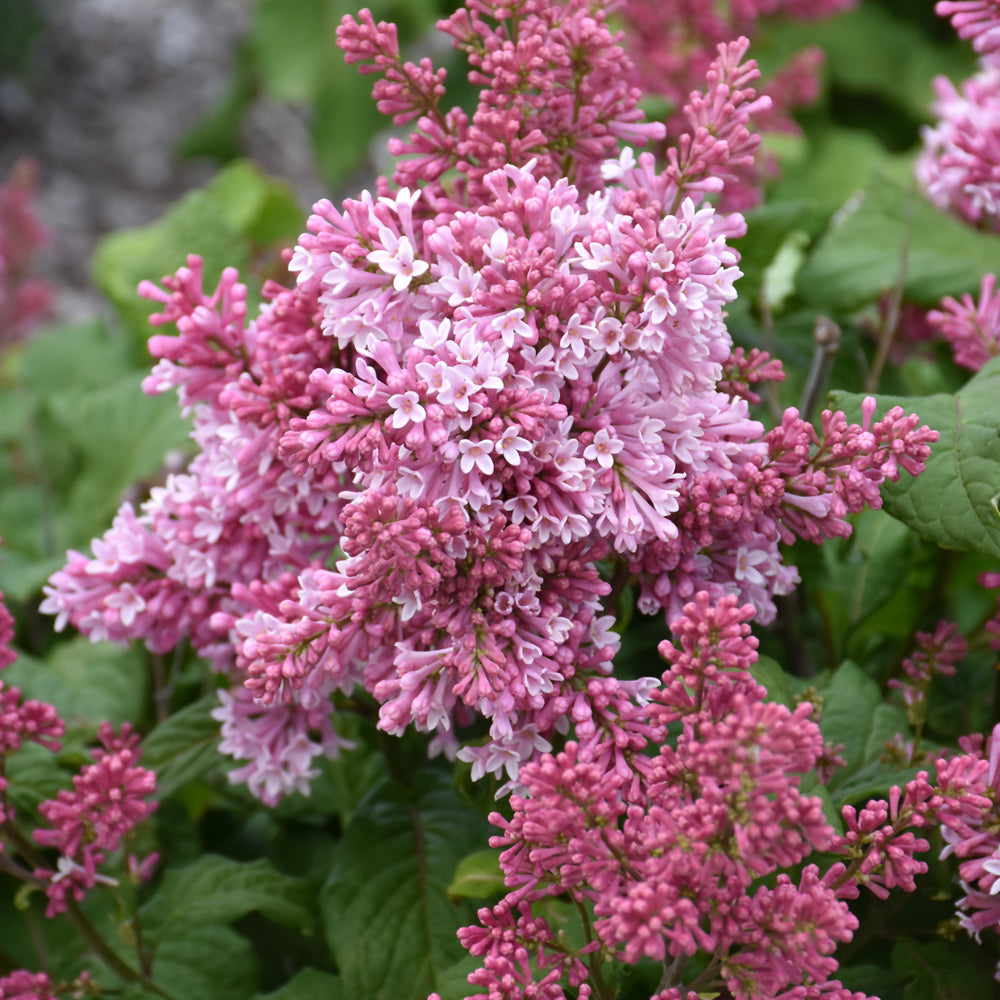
217 890
87 683
344 122
33 775
292 53
308 984
22 21
769 673
223 223
81 355
871 51
876 560
183 746
951 502
120 435
890 232
943 970
478 876
388 921
218 134
779 275
204 963
838 163
854 715
849 703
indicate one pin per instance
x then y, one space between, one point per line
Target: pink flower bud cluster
23 299
959 168
848 463
970 825
30 720
938 653
971 327
681 854
554 86
21 985
485 395
87 824
672 43
976 21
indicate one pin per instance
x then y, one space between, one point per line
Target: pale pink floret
971 326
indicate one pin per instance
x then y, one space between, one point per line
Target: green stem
593 959
826 343
891 321
669 979
706 976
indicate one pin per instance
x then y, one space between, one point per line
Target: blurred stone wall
111 87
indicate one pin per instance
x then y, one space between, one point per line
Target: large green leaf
388 920
87 683
237 213
953 501
33 775
309 984
183 746
866 570
217 890
849 703
76 432
854 715
943 970
871 51
478 876
204 963
888 233
120 435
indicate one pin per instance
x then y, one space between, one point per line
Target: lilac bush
477 404
492 405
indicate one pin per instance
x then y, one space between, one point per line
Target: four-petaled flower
476 455
406 409
397 259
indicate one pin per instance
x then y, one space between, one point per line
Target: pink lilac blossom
672 43
27 720
972 327
976 21
959 168
22 985
681 854
938 653
970 783
87 824
487 387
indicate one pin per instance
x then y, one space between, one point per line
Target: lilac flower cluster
108 801
85 826
673 42
495 396
21 985
971 327
959 168
680 854
970 824
938 653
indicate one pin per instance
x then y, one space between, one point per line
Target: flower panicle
666 851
